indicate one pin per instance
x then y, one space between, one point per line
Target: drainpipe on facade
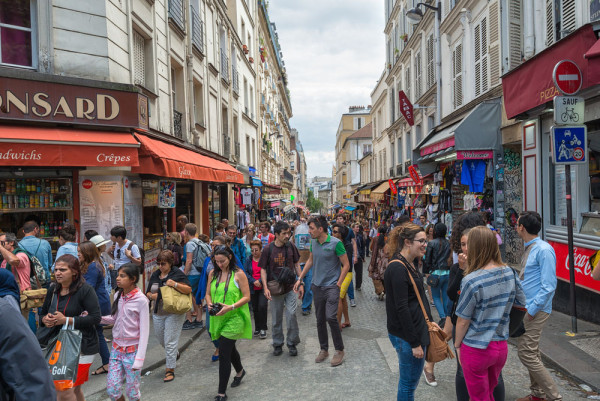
529 37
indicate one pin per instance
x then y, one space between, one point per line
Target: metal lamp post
415 15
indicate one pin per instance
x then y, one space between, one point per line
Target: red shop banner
583 270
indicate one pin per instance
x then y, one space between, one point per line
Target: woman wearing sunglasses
167 326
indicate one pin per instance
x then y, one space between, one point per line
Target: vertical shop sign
166 194
132 201
101 203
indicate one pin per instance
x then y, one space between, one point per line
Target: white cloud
334 53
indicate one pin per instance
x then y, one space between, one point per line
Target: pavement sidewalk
95 388
575 355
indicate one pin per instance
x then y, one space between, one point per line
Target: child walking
130 317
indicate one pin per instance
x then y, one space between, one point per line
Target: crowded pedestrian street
370 371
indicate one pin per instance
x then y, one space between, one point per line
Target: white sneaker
429 378
352 303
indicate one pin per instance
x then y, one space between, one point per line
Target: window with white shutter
494 38
418 75
457 76
481 57
139 59
550 34
567 23
430 62
515 38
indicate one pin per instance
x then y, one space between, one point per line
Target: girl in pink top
130 317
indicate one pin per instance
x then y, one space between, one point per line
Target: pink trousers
481 368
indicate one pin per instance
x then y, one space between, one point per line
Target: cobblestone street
369 372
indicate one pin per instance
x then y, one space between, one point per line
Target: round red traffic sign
567 77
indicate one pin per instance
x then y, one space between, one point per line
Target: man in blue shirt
37 247
538 275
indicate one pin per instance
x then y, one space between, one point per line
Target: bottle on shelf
46 229
42 230
55 228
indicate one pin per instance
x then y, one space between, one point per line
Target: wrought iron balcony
226 146
399 169
197 31
236 82
287 176
177 14
177 126
391 171
224 65
237 150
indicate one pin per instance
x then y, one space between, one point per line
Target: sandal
169 376
344 325
100 371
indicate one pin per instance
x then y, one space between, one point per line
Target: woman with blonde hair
488 292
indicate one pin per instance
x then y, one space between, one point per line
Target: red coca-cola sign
87 184
583 270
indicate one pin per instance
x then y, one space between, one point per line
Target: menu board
132 201
100 203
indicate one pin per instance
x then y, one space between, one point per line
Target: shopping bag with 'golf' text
62 356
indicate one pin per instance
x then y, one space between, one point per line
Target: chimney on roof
352 109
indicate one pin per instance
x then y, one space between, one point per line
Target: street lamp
415 15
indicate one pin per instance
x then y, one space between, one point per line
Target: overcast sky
334 53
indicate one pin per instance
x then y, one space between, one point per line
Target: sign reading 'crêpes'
22 99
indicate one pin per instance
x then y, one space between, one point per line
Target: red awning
594 51
406 182
530 85
35 146
166 160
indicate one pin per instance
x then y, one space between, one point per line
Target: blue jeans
410 368
440 296
308 295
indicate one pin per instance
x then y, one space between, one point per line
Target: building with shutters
347 171
135 93
542 33
275 109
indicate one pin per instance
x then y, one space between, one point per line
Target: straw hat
99 240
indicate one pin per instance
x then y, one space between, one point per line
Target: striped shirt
486 299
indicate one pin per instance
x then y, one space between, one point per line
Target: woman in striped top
488 292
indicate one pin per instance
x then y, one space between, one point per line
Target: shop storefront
166 168
529 102
54 132
462 164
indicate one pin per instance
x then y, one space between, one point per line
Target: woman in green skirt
227 297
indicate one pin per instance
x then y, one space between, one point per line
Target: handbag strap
414 286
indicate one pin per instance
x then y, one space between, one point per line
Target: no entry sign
567 77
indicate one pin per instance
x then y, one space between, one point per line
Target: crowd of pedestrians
231 280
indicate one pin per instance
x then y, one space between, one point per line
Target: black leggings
228 355
358 272
259 306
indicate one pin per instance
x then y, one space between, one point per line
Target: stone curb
101 395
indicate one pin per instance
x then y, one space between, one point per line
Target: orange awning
166 160
35 146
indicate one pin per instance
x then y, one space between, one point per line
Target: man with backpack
196 252
40 248
124 250
279 264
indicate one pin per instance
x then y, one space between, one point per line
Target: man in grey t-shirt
331 265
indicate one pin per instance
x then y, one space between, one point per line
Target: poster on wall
132 204
100 203
166 194
150 264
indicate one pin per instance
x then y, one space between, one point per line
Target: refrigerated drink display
35 194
